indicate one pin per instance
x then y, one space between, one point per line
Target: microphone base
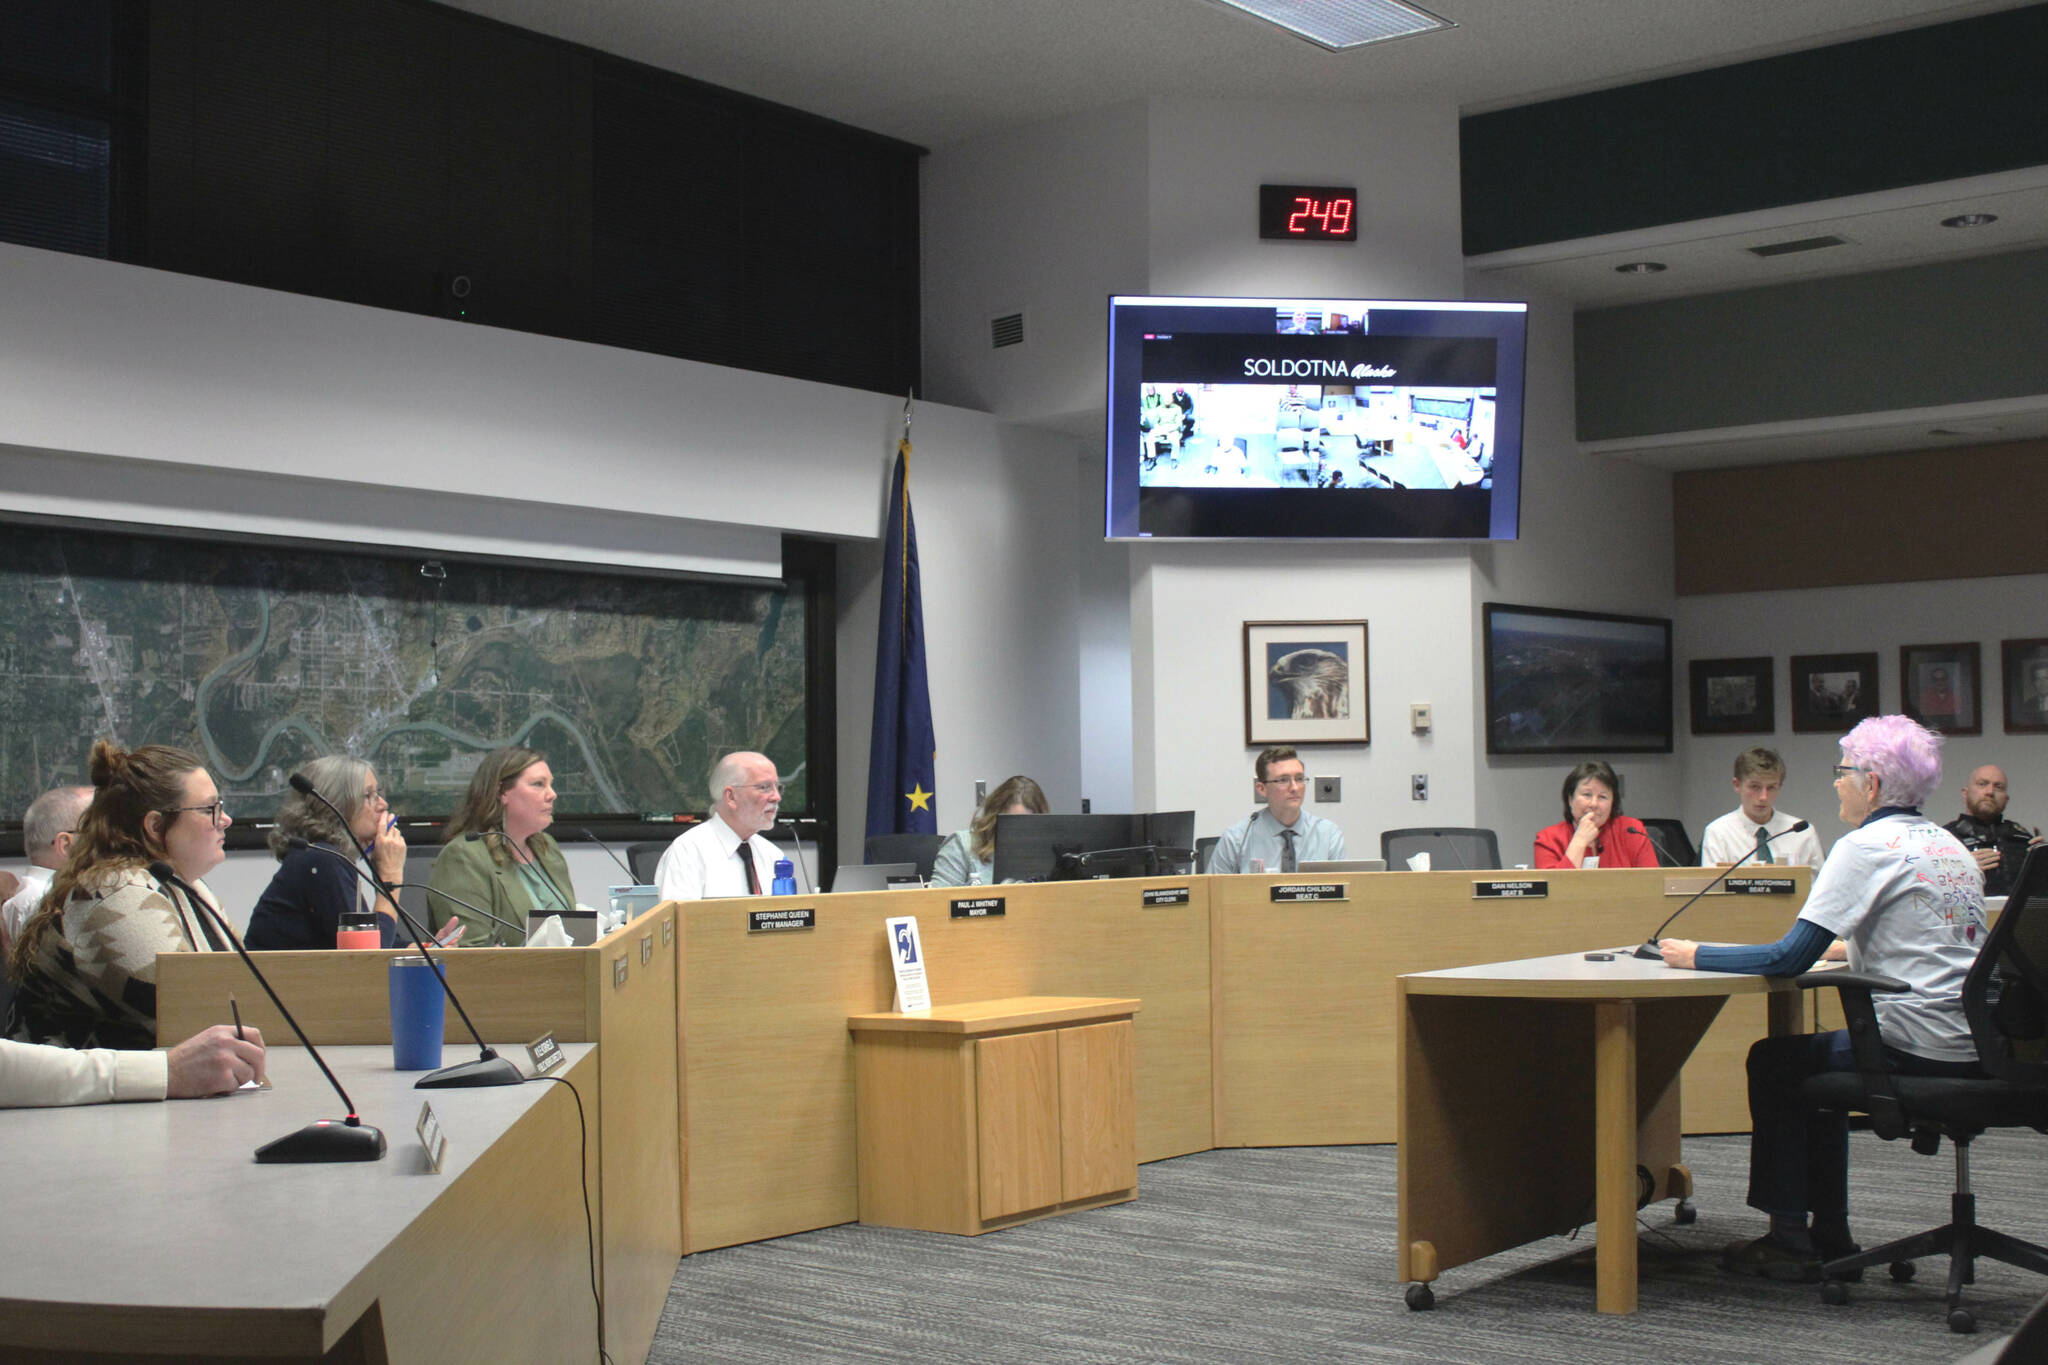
493 1070
327 1140
1649 952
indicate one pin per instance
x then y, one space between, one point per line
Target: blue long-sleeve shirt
1801 947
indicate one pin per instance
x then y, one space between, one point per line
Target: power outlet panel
1329 789
1418 787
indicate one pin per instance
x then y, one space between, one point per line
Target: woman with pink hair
1908 901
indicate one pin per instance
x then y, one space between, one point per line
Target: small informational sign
1165 895
980 907
1510 889
432 1140
1760 886
1286 892
647 947
545 1054
772 921
906 955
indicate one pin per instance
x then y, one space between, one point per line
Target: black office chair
1674 846
643 856
1203 848
2003 998
412 897
1450 850
922 849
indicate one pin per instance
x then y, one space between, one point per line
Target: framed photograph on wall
1831 692
1305 682
2024 666
1733 697
1576 682
1942 687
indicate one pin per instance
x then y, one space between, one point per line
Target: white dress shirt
1734 835
703 862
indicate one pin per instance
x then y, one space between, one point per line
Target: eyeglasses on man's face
1290 780
764 788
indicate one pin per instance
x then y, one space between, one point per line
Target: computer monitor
1048 848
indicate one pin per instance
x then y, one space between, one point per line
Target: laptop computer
1346 865
874 877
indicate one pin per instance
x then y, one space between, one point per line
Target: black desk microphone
1649 951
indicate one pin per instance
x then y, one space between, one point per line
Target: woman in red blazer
1594 832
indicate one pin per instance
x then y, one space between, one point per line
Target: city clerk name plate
1511 889
1287 892
1759 886
1163 895
980 907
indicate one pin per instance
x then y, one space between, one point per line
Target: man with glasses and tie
1759 773
725 855
1282 836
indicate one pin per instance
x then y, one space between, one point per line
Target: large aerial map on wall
260 656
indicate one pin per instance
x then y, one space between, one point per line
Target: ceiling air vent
1803 244
1006 330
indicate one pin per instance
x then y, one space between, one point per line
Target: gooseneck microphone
798 840
323 1140
1649 950
568 903
489 1068
608 849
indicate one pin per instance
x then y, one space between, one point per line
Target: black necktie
1287 863
747 861
1763 845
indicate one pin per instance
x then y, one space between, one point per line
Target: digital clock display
1308 213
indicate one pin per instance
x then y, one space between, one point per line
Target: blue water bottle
785 878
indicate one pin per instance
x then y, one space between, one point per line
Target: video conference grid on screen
1279 418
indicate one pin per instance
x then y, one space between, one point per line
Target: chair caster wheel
1834 1292
1960 1321
1419 1297
1685 1212
1902 1271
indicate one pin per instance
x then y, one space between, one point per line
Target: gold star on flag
920 799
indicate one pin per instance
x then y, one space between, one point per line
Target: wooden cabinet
977 1116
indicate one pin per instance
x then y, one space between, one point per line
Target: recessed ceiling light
1340 24
1970 220
1641 268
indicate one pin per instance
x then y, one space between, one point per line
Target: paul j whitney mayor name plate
979 907
1164 895
1760 886
1517 888
1287 892
772 921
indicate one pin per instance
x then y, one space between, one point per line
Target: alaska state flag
901 765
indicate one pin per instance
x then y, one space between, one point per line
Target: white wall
1857 620
1596 536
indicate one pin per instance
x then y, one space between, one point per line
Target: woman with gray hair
1907 899
318 882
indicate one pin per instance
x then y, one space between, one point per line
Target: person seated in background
1898 888
216 1061
500 865
1281 836
316 884
47 829
967 858
1998 845
1759 773
1594 832
84 965
725 854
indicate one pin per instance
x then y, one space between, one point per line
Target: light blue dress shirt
1258 836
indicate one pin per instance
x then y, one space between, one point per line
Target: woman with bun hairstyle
84 964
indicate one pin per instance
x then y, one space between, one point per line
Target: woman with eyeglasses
499 857
84 965
319 882
1907 901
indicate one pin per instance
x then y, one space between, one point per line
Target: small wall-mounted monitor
1314 419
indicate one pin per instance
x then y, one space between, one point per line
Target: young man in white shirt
1759 773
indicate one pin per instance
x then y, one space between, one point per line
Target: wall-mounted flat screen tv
1314 419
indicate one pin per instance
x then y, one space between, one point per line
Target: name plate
1289 892
1760 886
1521 889
980 907
773 921
1164 895
433 1141
545 1053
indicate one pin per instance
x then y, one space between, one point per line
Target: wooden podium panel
1017 1122
1305 1007
1098 1132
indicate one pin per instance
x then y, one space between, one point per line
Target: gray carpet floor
1286 1255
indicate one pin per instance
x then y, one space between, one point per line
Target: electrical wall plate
1419 787
1329 789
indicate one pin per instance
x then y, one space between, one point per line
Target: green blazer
466 871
